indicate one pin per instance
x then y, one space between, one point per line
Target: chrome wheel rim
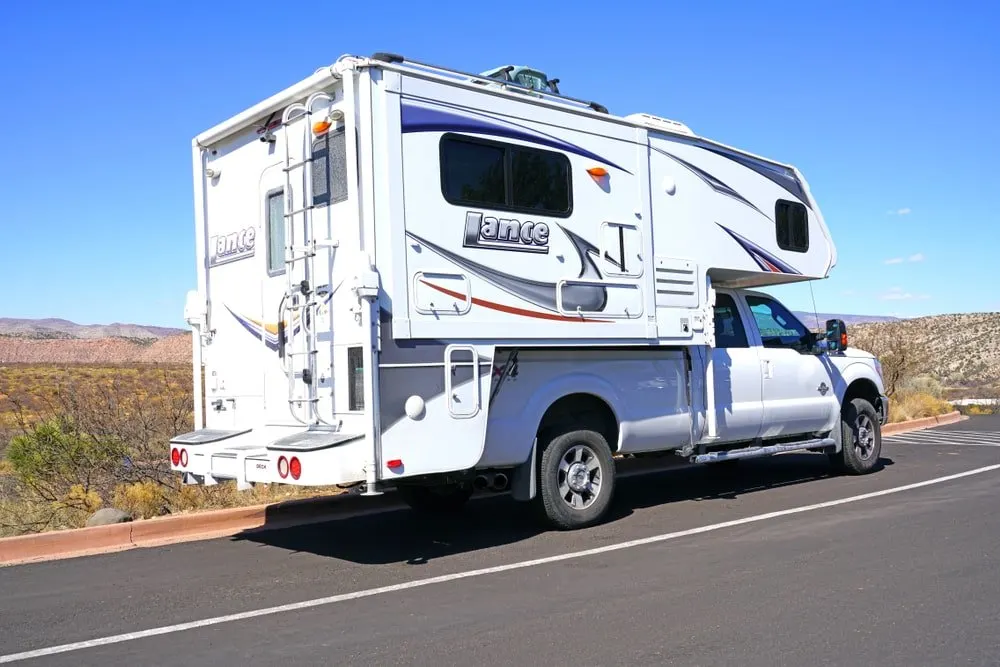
864 439
580 477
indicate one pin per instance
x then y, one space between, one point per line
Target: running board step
761 452
312 440
206 436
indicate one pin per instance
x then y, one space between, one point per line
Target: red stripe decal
512 310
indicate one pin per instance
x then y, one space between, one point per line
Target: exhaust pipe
499 482
481 482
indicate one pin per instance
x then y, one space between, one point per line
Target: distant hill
52 328
957 350
817 321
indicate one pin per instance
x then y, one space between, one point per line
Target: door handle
768 369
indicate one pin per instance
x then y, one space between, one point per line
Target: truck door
798 390
738 407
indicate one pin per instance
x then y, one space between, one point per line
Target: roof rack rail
395 59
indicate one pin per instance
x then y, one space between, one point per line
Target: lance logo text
504 234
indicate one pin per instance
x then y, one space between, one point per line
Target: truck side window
729 331
778 327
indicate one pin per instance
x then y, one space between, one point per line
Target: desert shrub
922 384
912 405
901 357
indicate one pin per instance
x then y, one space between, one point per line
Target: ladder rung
300 354
326 243
298 165
303 400
300 210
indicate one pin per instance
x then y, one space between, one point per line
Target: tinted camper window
275 217
329 170
505 177
792 223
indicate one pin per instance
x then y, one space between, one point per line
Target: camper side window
792 224
275 220
505 177
329 169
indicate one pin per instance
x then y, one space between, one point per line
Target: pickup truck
560 416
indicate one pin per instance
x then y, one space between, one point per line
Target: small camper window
329 170
275 217
792 223
503 176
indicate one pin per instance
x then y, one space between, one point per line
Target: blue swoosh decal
424 119
588 298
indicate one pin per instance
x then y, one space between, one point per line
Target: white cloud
899 294
899 211
919 257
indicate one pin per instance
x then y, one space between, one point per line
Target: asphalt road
908 577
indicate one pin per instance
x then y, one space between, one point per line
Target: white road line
419 583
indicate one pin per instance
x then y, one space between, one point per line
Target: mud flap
524 478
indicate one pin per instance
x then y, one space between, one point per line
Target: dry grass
916 405
77 438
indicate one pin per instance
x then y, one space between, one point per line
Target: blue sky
891 111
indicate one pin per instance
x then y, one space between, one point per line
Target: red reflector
175 456
395 463
843 341
295 467
283 467
184 458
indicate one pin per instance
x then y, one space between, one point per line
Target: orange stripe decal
512 310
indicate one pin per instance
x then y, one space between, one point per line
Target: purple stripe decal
423 119
761 256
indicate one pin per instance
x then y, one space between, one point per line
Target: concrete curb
920 424
213 524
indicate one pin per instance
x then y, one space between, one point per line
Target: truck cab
774 378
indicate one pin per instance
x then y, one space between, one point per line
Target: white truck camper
419 279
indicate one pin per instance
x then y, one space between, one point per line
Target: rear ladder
297 340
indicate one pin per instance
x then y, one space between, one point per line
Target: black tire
861 432
440 499
556 495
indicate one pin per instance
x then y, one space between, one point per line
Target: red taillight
843 341
394 463
184 458
175 456
283 467
295 468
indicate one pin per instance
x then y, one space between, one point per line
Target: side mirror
836 335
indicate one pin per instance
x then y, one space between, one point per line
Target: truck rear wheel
440 499
576 479
861 432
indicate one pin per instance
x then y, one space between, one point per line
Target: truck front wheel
862 438
576 479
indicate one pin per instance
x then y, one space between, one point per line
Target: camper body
414 278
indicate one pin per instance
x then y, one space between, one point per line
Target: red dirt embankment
170 350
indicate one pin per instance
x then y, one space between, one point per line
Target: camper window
792 224
274 211
329 170
505 176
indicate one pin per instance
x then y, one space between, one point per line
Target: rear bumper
882 408
249 457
